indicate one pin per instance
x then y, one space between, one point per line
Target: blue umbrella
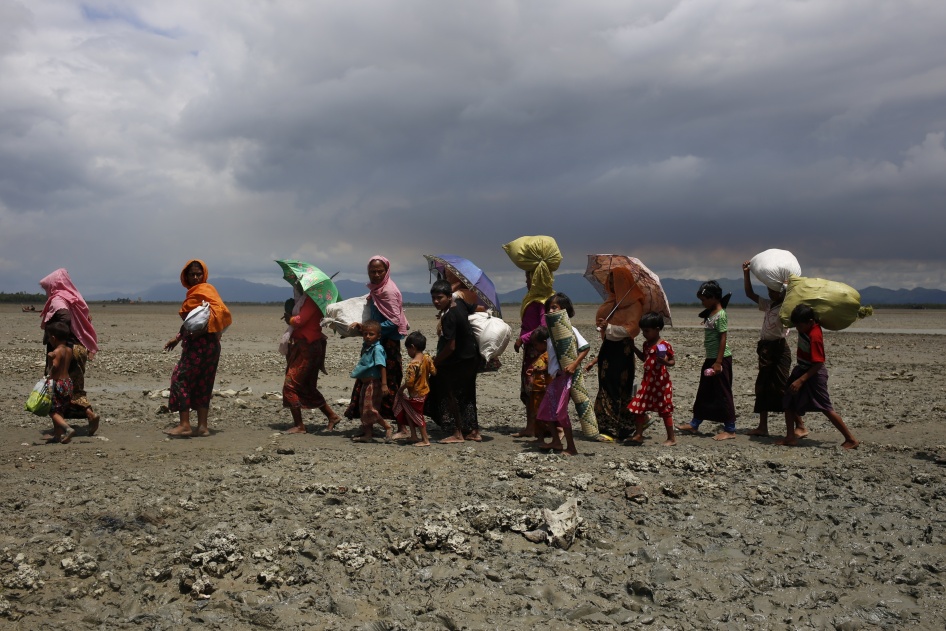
468 274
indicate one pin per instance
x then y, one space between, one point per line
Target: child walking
775 358
714 400
371 371
808 383
553 411
409 402
656 391
57 334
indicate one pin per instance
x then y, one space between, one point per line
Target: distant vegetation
21 297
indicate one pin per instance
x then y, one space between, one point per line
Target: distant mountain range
580 290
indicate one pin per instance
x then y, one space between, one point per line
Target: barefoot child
553 411
808 383
371 371
775 358
714 401
409 402
57 334
656 391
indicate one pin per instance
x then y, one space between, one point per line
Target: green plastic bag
40 401
527 252
836 305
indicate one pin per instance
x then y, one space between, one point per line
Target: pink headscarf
62 294
387 297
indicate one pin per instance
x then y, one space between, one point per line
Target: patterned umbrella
316 284
468 274
600 265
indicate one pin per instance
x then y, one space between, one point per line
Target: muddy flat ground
252 528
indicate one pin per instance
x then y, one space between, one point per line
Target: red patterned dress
656 391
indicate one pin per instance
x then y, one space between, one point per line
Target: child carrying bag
40 401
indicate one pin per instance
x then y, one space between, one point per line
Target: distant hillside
580 290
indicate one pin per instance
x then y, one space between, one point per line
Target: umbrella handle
616 306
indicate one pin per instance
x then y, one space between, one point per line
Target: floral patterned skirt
192 382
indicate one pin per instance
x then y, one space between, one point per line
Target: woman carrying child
452 398
192 381
714 400
808 383
305 358
539 288
656 391
65 304
387 308
410 397
775 358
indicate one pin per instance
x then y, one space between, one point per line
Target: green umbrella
316 284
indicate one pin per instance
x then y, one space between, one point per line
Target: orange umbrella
655 299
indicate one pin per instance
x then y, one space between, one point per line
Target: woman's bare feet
570 452
474 436
421 443
296 429
70 432
801 432
450 440
201 431
850 444
332 422
686 429
758 431
724 436
670 442
400 436
181 431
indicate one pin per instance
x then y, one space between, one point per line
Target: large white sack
774 268
341 315
492 334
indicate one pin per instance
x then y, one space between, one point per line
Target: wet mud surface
253 528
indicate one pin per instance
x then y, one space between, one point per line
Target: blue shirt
371 361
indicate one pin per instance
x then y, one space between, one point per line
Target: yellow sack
836 305
527 252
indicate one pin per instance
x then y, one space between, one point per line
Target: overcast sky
691 134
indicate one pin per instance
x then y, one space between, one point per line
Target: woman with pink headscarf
65 304
387 307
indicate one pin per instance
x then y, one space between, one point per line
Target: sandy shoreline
312 531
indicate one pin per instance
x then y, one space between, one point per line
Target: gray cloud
692 134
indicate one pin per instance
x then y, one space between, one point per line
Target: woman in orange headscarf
192 381
618 321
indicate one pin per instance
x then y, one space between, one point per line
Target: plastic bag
527 252
340 316
492 334
774 268
196 321
40 401
836 305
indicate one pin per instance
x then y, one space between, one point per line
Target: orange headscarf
631 298
203 291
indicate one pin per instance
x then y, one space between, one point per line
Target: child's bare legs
61 429
298 427
570 449
539 431
530 430
849 441
671 436
424 438
557 435
791 439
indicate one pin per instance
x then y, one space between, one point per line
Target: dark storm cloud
690 133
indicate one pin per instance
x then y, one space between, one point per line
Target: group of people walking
442 386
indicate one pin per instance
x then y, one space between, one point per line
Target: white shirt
554 366
772 328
